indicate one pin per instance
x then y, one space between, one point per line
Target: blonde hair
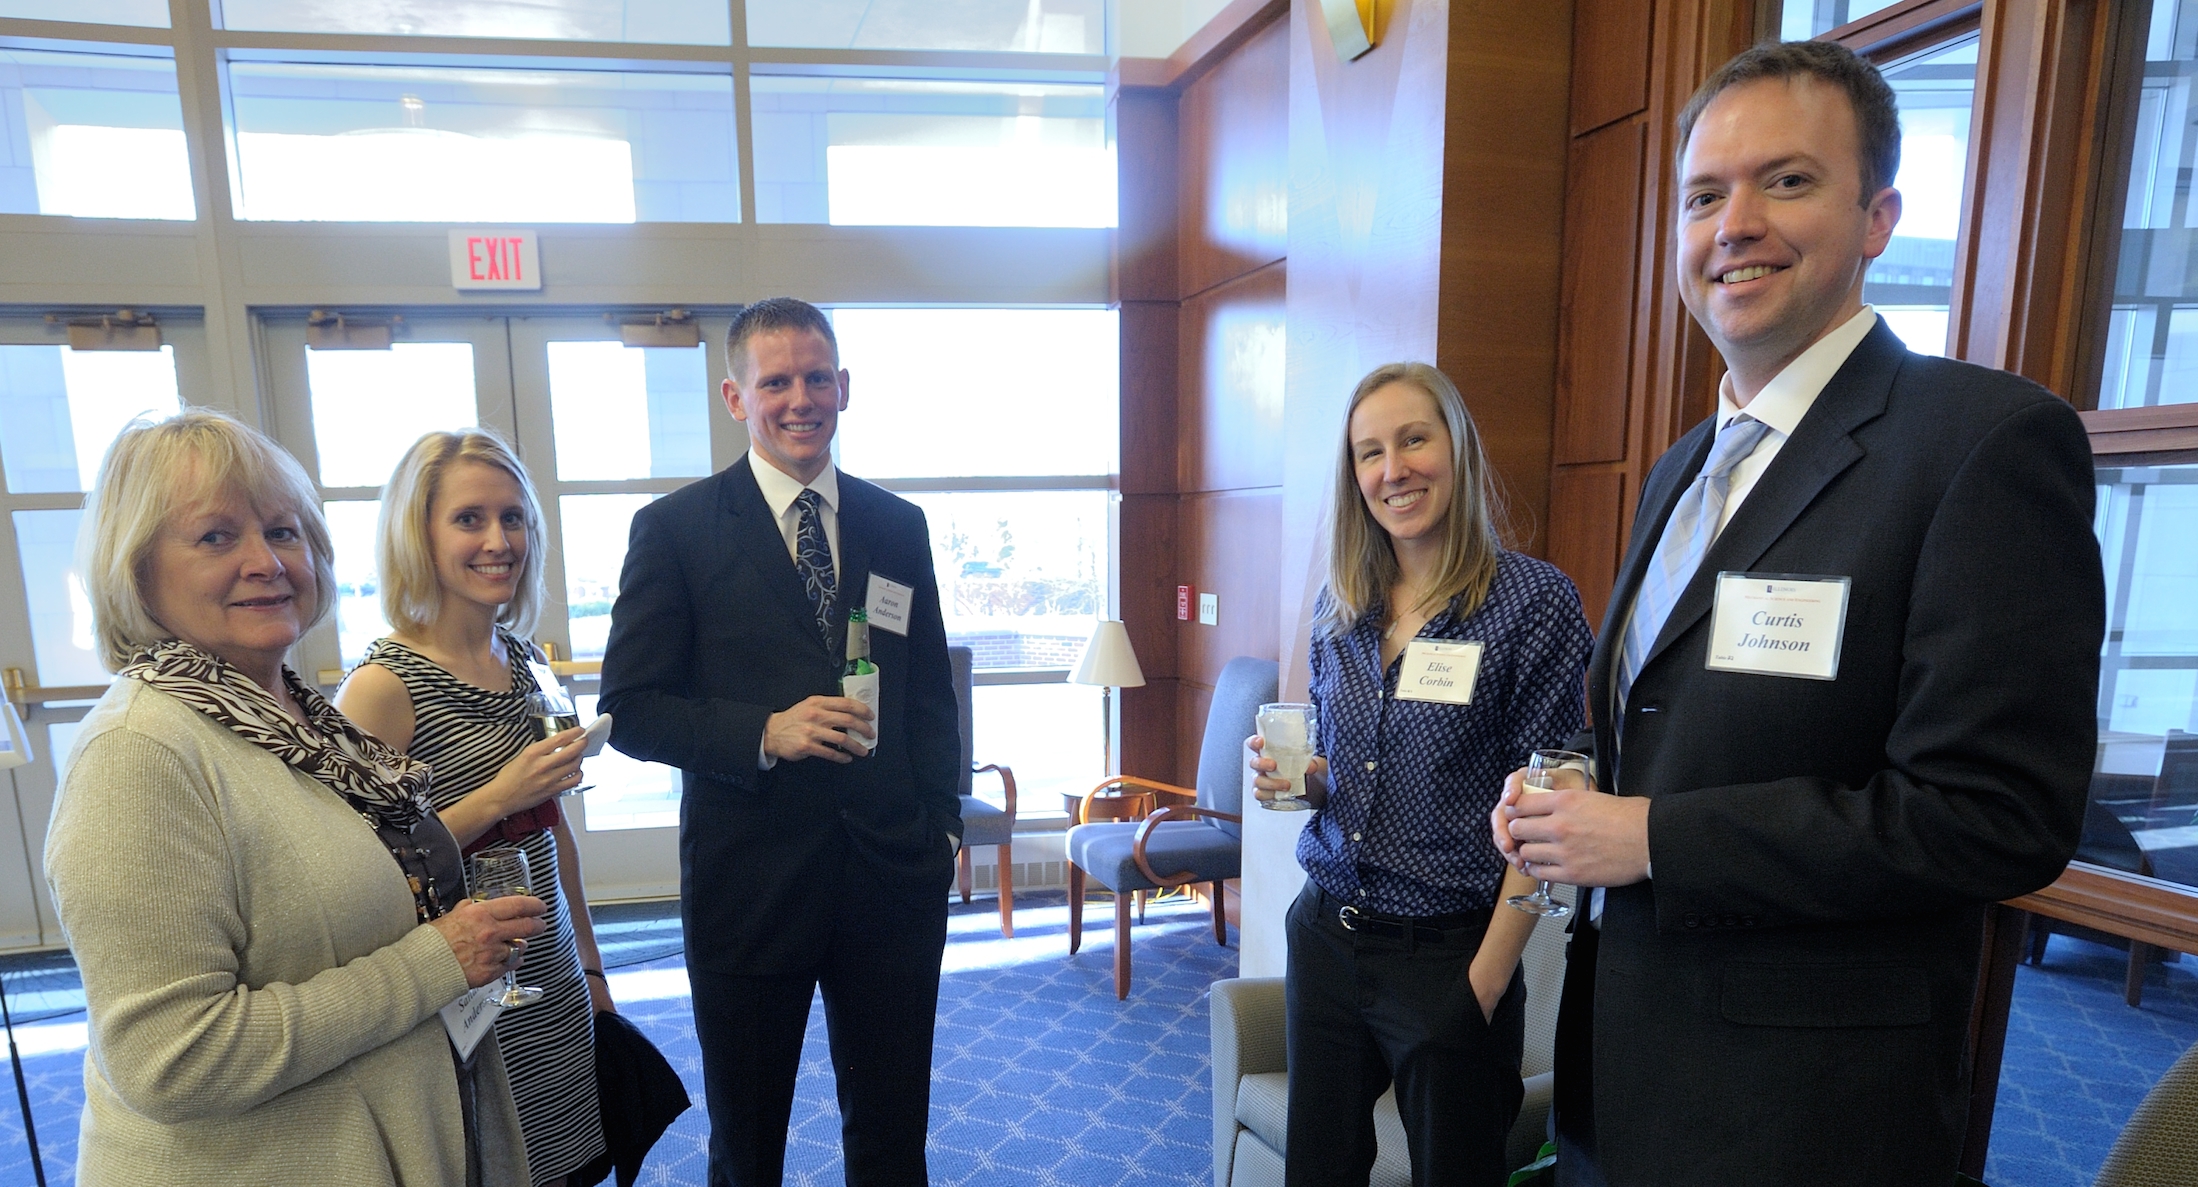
1362 563
157 468
412 594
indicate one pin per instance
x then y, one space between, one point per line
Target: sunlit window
369 406
855 151
623 412
61 408
1012 26
61 611
413 144
1800 20
1912 284
2152 327
678 22
151 14
92 136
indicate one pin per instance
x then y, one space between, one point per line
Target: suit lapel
856 516
758 544
1822 447
1658 497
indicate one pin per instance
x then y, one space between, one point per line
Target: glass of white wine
1546 771
552 712
499 873
1287 730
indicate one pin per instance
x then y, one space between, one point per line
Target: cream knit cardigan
262 998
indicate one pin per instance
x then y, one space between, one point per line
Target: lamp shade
1109 660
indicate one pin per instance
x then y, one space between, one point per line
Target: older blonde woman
267 917
461 580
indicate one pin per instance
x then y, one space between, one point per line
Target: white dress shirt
1780 406
780 489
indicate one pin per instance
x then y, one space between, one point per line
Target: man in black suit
807 860
1844 691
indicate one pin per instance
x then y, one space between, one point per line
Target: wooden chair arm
1144 834
1007 781
1083 809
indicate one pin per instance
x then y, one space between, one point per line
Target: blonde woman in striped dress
461 581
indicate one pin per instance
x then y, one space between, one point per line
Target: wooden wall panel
1592 504
1502 231
1146 153
1225 545
1150 386
1612 38
1235 163
1229 407
1595 362
1145 598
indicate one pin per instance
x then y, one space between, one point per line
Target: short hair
157 468
1362 564
1877 112
774 313
411 592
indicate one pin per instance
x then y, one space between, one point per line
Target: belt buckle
1348 916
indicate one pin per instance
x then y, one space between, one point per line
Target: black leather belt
1425 929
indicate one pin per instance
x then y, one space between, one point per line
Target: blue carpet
1041 1077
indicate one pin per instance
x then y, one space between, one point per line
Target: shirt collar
1792 392
780 489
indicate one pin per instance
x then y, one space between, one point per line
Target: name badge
1439 671
887 603
471 1017
544 678
1778 624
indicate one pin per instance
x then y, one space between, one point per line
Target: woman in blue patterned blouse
1401 969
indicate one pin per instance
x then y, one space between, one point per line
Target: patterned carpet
1042 1078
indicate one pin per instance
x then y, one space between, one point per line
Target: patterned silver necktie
813 560
1687 538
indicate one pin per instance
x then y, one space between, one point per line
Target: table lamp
1110 663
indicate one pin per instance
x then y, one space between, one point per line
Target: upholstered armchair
1192 835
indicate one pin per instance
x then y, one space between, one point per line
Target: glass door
59 409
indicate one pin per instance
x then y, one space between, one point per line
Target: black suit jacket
712 633
1787 1002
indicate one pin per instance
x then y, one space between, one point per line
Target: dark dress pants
1366 1010
879 973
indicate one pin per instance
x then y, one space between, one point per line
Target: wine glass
1287 729
498 873
1546 771
552 712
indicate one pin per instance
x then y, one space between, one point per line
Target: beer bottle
859 679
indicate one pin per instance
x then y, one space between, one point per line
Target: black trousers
1366 1010
879 973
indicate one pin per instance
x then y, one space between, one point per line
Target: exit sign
494 260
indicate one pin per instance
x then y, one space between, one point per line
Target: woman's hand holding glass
487 935
1268 783
544 770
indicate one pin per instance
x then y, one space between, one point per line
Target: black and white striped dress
466 735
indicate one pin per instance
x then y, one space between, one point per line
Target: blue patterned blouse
1405 830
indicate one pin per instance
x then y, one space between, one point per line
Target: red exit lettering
494 257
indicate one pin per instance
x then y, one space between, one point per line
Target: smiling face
1405 462
789 391
1774 230
234 581
477 533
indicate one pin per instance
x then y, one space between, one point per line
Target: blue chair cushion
985 824
1104 853
1233 716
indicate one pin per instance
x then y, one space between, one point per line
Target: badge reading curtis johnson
1778 624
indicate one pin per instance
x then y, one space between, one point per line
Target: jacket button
1693 920
1354 836
1732 921
1709 921
1747 921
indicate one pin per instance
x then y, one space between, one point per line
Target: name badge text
1439 671
1778 624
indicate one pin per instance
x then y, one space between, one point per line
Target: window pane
98 136
61 612
2152 328
1046 403
1912 284
629 412
595 552
626 792
1025 26
677 22
413 144
1050 734
1800 20
1022 574
61 408
903 153
2148 688
359 618
369 406
151 14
